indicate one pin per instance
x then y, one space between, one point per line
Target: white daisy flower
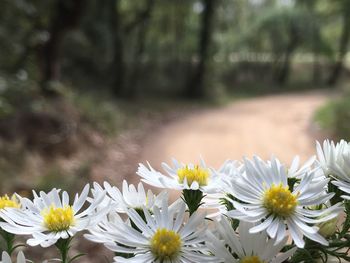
266 196
163 237
245 247
130 197
6 201
104 231
335 161
7 259
227 173
331 156
50 217
180 177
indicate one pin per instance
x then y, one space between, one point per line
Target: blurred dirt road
279 125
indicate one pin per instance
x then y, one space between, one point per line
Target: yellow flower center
165 244
251 259
5 201
279 200
58 219
196 173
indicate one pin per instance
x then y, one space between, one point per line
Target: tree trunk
316 73
283 73
137 60
118 64
195 85
119 67
67 15
343 45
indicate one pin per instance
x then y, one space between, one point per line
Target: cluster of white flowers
249 211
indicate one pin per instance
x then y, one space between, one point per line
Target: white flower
266 196
7 259
162 237
181 177
130 197
335 161
246 247
294 171
227 174
50 217
230 168
104 231
331 156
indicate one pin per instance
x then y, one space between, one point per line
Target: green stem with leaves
63 246
10 241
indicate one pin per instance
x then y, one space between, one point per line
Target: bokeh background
90 88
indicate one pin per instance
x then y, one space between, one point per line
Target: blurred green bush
334 117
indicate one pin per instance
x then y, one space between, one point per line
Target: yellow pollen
58 219
165 244
251 259
279 200
6 201
196 173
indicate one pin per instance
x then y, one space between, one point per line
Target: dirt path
276 124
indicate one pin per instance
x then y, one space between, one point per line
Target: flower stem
193 199
63 246
9 239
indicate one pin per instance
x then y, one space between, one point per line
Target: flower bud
328 228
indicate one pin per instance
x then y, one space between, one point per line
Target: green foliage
342 118
325 115
271 31
56 177
101 113
16 94
335 117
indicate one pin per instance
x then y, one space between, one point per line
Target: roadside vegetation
334 116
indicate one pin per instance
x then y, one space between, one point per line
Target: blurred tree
285 31
343 42
118 67
67 14
293 42
195 86
316 41
125 82
139 51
